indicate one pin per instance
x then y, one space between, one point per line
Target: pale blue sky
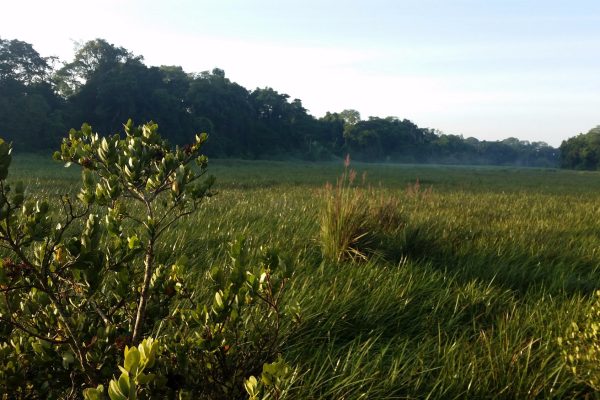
489 69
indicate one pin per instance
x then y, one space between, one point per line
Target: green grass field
492 267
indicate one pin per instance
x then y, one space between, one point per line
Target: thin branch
10 289
116 307
31 333
101 313
11 321
195 205
131 217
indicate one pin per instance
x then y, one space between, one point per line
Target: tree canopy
581 151
105 84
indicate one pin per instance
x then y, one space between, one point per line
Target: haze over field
299 200
524 69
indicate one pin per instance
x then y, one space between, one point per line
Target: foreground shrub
136 360
76 281
214 349
80 283
217 351
356 221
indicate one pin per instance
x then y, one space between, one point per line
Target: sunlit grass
492 266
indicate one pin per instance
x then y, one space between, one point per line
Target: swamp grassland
491 268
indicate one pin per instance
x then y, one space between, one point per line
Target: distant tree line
42 97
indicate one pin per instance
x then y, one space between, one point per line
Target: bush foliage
81 283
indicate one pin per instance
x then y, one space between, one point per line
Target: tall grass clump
580 346
355 219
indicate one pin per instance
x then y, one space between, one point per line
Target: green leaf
144 379
124 384
67 359
133 242
266 378
3 276
114 391
5 159
251 385
219 300
147 351
132 359
96 393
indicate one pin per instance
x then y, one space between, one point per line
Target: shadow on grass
514 267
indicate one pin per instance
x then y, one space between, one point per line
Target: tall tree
581 151
20 62
30 111
222 108
91 59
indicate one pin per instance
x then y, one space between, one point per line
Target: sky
490 69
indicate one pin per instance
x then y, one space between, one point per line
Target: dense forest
104 85
581 151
